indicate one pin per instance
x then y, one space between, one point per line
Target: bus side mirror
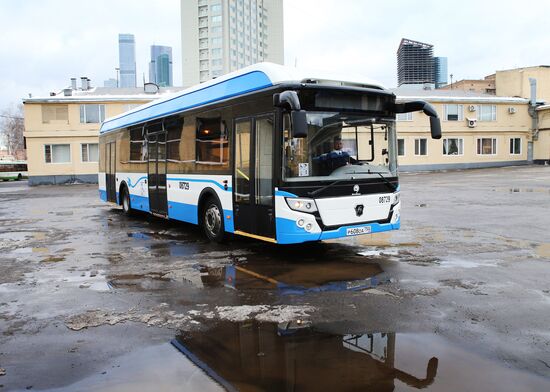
435 127
299 124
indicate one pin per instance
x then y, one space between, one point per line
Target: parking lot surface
458 299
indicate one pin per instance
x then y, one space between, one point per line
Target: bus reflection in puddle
295 278
253 356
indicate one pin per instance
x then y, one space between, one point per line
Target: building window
515 146
57 153
217 19
216 42
405 116
216 30
454 112
487 146
92 114
216 9
89 152
400 147
420 146
487 112
453 146
55 113
216 53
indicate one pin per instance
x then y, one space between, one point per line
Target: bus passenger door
110 171
156 173
253 177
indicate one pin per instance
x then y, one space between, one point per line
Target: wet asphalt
458 299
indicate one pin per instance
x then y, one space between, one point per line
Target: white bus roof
252 78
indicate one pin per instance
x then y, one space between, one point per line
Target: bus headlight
397 197
300 204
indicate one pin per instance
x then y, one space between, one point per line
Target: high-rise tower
415 63
160 67
127 60
219 36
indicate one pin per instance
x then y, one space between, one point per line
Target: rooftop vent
85 82
73 83
67 92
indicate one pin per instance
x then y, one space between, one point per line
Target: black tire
19 177
212 220
125 201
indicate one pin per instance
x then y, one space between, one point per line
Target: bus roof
252 78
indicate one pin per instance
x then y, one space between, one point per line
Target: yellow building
479 130
541 136
62 130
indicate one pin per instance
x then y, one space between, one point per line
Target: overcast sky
46 42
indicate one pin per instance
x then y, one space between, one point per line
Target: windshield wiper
392 186
313 193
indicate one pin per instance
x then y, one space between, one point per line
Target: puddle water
157 368
252 356
295 277
463 263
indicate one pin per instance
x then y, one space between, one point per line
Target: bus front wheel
212 220
126 206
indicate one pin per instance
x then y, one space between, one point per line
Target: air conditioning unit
472 108
511 110
472 122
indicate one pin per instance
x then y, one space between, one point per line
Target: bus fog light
300 223
309 226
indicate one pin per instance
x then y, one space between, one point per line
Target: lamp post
117 71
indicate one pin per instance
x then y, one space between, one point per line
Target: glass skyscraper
440 71
160 67
127 60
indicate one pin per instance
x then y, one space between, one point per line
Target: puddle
156 368
463 263
295 277
253 356
543 250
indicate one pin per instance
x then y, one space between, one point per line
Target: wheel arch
122 186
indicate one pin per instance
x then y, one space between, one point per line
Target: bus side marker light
228 216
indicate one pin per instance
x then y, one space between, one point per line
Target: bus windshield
340 146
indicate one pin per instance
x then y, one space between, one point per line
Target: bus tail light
300 204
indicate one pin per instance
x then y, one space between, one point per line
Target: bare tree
11 129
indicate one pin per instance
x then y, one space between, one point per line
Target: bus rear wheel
126 205
19 177
212 220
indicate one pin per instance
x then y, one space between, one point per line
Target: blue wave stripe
129 181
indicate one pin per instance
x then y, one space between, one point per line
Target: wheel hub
213 220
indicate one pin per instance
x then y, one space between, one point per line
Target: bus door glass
253 176
156 169
110 171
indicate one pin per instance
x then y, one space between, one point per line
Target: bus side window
173 127
212 145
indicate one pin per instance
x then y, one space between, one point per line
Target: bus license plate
358 230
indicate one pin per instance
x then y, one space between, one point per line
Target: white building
220 36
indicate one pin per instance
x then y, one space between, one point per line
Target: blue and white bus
268 152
